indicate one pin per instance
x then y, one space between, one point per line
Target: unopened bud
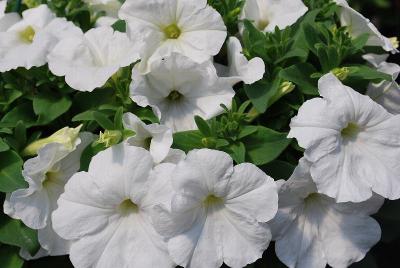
394 41
109 137
341 73
66 136
286 87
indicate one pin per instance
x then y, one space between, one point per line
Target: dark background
385 14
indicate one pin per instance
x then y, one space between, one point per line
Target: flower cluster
195 102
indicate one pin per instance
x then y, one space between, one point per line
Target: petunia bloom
88 61
218 211
7 19
358 25
239 67
191 28
28 42
46 176
312 230
178 88
386 93
268 14
105 212
352 142
154 137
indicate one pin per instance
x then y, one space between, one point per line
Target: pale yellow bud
394 41
341 73
109 137
286 87
66 136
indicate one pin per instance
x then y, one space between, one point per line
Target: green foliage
15 233
230 11
9 257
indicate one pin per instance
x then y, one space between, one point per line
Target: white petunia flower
88 61
357 25
154 137
178 88
239 68
312 230
191 28
386 93
105 212
7 19
46 176
268 14
218 212
28 42
352 142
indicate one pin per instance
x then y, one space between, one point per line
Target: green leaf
10 172
237 152
22 112
188 140
279 170
265 145
15 233
9 257
118 118
3 146
260 93
246 131
300 74
203 126
363 72
84 116
120 26
48 106
103 120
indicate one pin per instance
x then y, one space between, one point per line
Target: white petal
243 240
251 193
347 238
203 171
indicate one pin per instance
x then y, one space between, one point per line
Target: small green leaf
22 112
3 145
49 106
15 233
261 92
265 145
237 152
120 26
203 126
103 120
118 118
246 131
10 172
188 140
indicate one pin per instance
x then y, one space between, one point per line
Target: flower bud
66 136
341 73
394 41
109 137
286 87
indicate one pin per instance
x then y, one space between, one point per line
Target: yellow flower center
127 207
172 31
211 200
351 130
27 34
262 24
51 177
